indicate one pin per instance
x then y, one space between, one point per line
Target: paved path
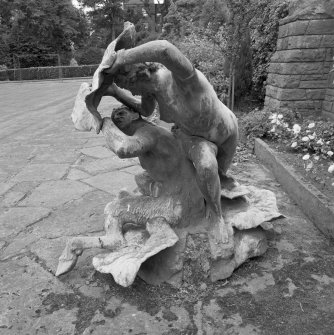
55 182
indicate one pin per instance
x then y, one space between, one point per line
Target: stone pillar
298 75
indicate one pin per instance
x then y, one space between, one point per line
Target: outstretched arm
144 107
160 51
122 145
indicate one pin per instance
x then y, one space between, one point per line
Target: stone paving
56 181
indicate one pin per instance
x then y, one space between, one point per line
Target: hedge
50 72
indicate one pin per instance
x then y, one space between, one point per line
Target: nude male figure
186 98
168 187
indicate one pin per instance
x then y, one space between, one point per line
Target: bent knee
206 167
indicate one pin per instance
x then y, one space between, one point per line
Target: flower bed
307 144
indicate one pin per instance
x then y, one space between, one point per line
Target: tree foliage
40 27
245 32
106 17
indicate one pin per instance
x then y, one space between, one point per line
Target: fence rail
48 72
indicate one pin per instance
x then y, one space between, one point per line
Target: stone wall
298 75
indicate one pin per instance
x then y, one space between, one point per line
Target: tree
181 17
106 16
40 27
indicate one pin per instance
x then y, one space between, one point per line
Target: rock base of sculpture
184 254
190 259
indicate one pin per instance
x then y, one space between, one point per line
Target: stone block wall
298 75
328 103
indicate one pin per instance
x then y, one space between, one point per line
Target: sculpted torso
192 104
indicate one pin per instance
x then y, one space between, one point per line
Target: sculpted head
123 117
81 117
138 78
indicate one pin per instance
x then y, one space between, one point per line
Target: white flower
331 168
306 157
311 137
311 125
330 153
316 158
294 144
280 116
273 116
305 139
296 128
309 166
320 141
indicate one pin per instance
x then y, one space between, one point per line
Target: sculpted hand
98 123
119 61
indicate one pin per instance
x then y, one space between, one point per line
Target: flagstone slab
5 186
25 285
42 172
131 319
12 198
78 217
55 193
107 164
56 156
134 170
49 250
14 220
112 182
97 152
76 174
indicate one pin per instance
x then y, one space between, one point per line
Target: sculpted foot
67 260
221 238
98 123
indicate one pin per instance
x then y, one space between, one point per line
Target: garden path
55 182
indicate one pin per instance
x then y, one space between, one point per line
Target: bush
315 138
89 56
269 123
52 72
287 128
207 58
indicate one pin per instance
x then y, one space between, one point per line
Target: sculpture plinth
187 216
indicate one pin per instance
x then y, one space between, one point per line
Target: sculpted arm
122 145
159 51
145 106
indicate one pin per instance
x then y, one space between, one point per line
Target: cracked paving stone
55 193
12 198
18 245
136 169
24 286
97 152
112 182
42 172
49 251
79 217
130 319
108 164
14 220
76 174
5 186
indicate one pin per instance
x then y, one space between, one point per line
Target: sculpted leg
203 155
225 156
76 245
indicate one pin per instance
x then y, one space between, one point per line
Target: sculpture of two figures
187 211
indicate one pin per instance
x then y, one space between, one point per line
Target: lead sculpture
189 216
